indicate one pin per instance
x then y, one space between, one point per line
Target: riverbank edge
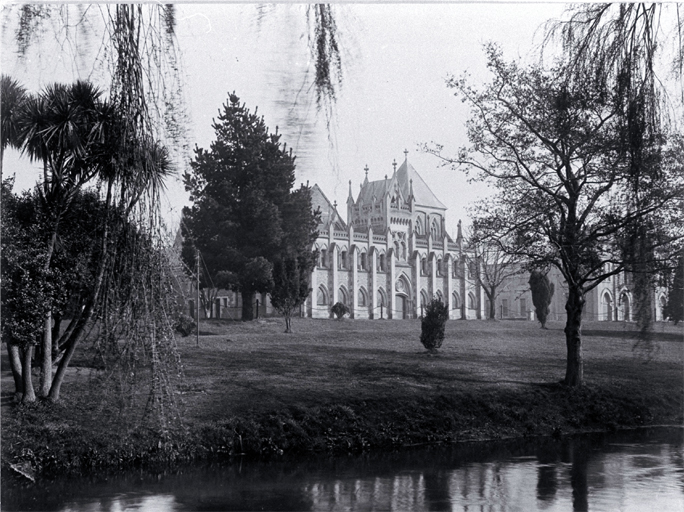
38 443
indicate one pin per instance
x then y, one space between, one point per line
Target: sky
393 97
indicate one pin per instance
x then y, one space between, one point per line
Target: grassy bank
358 385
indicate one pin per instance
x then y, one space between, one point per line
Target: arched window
607 307
455 300
423 266
362 298
381 298
440 296
423 298
381 263
342 296
343 260
472 303
439 267
434 230
419 226
362 261
324 258
322 296
624 302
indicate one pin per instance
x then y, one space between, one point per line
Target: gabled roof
372 189
328 211
421 192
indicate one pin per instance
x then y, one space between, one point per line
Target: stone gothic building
392 255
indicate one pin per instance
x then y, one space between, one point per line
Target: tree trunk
247 305
643 293
46 357
29 393
574 373
492 304
15 364
64 363
87 313
288 323
55 334
46 353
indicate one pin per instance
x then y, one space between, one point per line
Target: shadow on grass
633 335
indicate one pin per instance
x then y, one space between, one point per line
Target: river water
626 471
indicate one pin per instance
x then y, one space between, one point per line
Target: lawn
256 367
350 386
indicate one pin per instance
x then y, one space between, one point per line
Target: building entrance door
402 306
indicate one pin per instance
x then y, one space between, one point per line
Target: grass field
349 386
254 366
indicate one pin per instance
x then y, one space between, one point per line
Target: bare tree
632 48
496 265
555 150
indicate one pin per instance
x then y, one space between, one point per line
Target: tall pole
198 296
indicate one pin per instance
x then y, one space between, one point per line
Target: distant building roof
328 211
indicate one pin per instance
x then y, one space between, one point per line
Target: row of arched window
434 228
364 261
343 262
323 298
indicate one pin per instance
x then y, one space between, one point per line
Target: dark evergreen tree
339 310
433 323
542 293
674 309
245 215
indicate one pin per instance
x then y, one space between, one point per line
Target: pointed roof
328 211
421 192
375 189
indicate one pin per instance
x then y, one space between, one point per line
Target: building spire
406 155
350 191
459 232
410 189
394 164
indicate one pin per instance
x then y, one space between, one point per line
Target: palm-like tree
82 139
61 127
12 97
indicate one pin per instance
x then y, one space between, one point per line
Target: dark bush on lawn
185 325
339 310
432 325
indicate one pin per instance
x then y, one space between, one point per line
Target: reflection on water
626 471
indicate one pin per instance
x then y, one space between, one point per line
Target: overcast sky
396 58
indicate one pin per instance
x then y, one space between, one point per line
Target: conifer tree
245 215
542 293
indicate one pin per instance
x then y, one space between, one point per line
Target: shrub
185 325
432 324
542 293
339 310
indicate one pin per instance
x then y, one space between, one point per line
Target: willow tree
136 48
636 50
555 150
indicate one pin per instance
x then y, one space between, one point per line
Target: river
626 471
